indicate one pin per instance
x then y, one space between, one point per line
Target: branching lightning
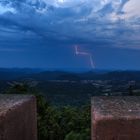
77 52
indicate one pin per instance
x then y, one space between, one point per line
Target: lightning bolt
77 52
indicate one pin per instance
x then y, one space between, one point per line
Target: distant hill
14 74
54 75
112 75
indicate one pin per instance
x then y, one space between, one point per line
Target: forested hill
112 75
14 74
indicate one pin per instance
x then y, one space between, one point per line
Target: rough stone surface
116 118
18 117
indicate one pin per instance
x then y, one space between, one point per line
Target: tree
56 123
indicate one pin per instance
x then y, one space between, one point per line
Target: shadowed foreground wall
115 118
18 117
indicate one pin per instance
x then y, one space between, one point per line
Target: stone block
18 117
115 118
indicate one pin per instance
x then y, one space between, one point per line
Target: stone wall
18 117
115 118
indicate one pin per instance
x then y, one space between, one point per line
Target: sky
70 34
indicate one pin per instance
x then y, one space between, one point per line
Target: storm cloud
72 21
33 24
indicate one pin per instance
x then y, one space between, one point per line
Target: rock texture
18 117
116 118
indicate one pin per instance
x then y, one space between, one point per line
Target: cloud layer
115 23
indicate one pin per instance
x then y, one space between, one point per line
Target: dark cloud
86 21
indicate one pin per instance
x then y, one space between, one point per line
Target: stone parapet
115 118
18 117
